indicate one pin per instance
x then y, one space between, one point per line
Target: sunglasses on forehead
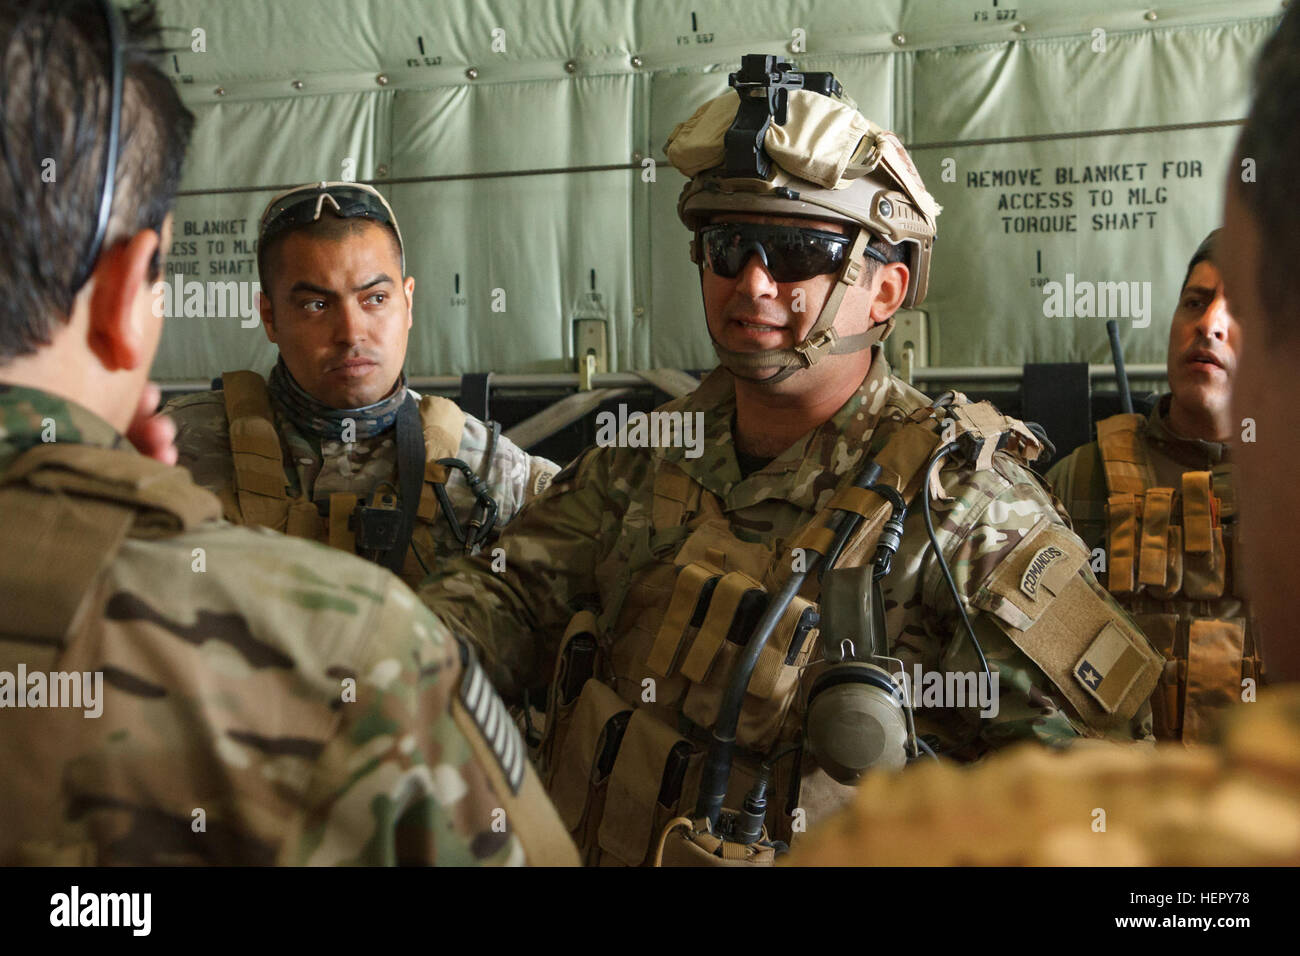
304 205
789 253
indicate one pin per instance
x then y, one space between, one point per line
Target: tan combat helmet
786 143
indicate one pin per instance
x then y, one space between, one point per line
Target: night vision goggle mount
764 83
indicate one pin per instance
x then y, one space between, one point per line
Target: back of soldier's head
1257 256
1266 176
56 65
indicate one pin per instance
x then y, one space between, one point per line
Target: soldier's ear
264 307
124 326
890 283
409 286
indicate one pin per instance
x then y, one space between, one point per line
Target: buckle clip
811 351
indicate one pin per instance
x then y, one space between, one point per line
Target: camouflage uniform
264 700
1187 599
596 540
1234 804
316 467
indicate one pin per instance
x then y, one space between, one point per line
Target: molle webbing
616 767
255 448
1128 470
1167 545
259 465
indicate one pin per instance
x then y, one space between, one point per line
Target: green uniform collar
815 460
29 416
1193 450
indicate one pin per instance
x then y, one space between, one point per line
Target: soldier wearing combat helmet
723 633
1235 802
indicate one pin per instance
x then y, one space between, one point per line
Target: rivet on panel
382 79
1151 15
639 310
381 170
637 157
220 91
1019 28
472 73
899 39
571 66
636 62
296 84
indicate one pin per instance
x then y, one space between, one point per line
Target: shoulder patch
542 480
1048 563
1042 599
1110 665
494 722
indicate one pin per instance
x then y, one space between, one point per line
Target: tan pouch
342 505
1091 653
558 711
633 814
1205 573
1198 512
690 584
760 717
1121 542
717 623
1153 558
1174 572
305 521
573 781
1162 631
1214 653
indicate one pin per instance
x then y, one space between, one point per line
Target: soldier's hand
152 434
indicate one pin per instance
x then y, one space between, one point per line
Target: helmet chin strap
822 339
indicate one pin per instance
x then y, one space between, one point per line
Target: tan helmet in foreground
829 162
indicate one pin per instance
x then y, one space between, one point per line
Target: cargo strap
411 463
79 503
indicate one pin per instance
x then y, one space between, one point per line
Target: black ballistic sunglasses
789 253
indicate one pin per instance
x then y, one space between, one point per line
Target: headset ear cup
855 721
